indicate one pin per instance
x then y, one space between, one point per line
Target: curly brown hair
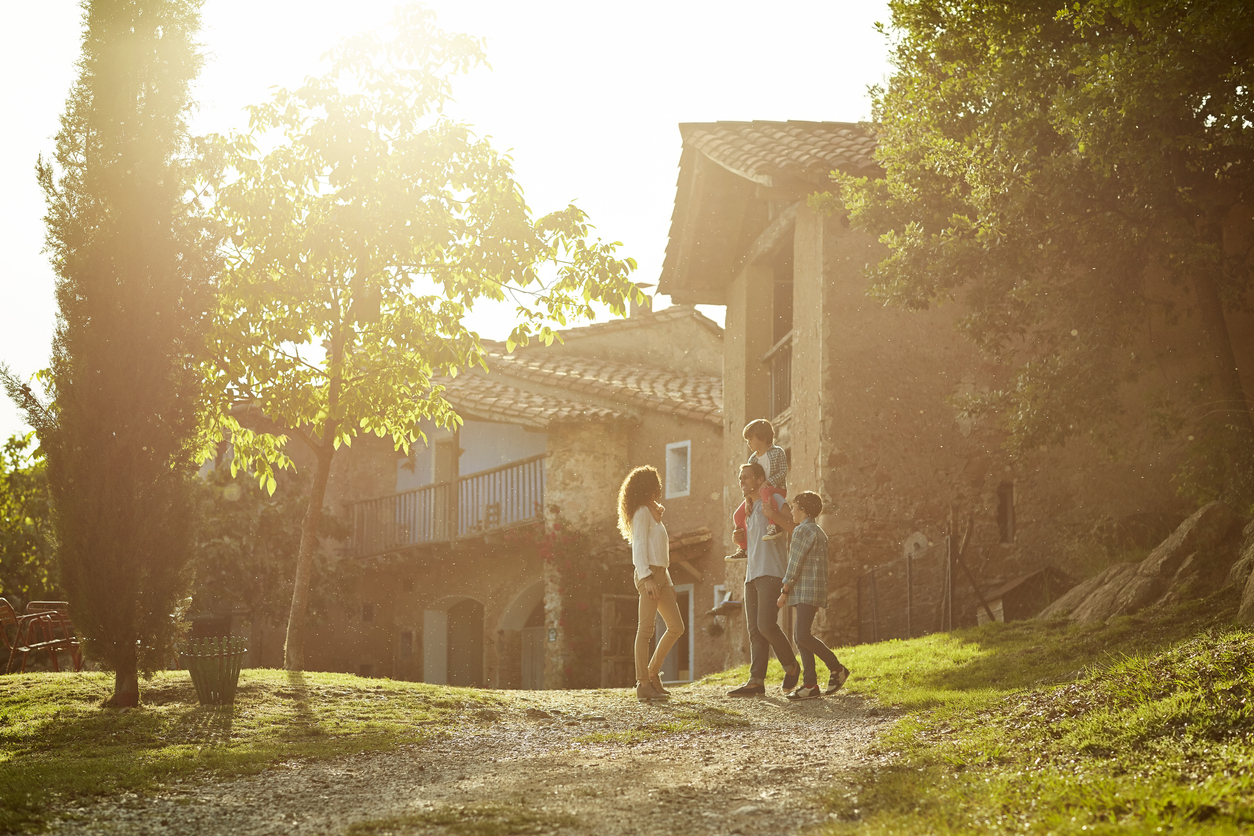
641 485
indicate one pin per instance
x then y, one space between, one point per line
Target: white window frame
671 492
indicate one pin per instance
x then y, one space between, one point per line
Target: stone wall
400 590
586 464
873 428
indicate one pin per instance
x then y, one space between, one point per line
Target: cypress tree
133 263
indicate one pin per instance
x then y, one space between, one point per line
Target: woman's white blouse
650 544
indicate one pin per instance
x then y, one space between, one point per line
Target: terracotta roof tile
695 396
485 398
773 153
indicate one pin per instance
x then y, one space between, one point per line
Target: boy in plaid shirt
805 585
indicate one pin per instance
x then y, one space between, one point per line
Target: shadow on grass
209 725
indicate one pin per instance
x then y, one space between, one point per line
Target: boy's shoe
739 555
836 680
773 532
805 692
791 679
749 689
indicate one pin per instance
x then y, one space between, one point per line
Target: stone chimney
634 309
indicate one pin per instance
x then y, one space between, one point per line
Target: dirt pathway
545 762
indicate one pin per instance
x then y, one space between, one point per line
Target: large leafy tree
132 290
1080 176
26 551
362 225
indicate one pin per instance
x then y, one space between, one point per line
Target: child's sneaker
836 680
805 692
739 555
773 532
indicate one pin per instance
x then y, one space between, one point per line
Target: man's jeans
761 612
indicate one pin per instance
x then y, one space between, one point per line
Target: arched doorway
533 635
522 639
452 644
465 643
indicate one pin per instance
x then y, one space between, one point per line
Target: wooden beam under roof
773 238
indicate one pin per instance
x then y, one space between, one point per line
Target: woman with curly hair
640 521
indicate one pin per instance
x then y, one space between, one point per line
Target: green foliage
247 546
360 226
1079 176
132 262
26 547
55 742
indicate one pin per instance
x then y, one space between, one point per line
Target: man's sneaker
791 679
773 532
749 689
739 555
836 680
805 692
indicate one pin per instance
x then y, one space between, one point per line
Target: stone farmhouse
457 569
860 394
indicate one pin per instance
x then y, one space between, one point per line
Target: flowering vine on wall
572 594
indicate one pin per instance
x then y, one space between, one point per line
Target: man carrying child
764 576
774 463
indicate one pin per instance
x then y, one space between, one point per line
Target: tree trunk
125 684
294 648
1233 414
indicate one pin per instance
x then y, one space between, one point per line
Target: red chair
19 644
52 620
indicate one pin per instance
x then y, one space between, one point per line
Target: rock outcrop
1242 575
1199 557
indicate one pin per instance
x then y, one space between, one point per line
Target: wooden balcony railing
779 360
474 504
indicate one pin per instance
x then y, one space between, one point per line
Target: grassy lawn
56 743
1142 725
1145 724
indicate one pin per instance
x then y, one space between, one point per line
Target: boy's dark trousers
810 645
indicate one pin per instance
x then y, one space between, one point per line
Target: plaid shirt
776 462
807 565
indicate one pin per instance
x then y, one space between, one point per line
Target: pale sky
587 96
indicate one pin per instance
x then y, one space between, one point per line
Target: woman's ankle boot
646 692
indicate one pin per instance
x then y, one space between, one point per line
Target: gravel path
567 762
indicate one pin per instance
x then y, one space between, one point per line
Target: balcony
779 366
472 506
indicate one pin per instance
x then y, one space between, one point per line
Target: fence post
949 583
875 612
909 596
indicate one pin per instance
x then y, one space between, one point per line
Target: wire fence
907 598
